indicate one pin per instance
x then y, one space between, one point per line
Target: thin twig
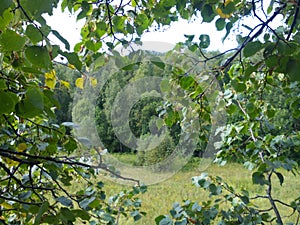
20 201
250 130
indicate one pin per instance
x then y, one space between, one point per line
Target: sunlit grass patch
159 198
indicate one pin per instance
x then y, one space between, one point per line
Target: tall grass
160 197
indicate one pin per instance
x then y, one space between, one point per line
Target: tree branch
19 6
271 200
294 20
19 201
249 39
39 159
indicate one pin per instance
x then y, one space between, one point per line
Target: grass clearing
160 197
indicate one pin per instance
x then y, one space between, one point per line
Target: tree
38 158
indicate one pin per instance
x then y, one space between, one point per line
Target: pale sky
69 28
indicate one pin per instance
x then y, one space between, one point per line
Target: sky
69 28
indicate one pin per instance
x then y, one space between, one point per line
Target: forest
107 132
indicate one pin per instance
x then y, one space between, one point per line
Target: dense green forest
278 121
67 115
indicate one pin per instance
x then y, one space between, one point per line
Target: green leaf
249 165
25 195
252 48
81 214
295 106
35 97
85 202
101 29
5 4
141 22
93 46
220 24
38 56
280 177
229 8
2 84
228 27
165 85
67 215
272 61
64 201
250 107
204 41
271 112
186 82
130 67
35 8
85 8
245 199
50 219
136 215
11 41
108 218
231 108
8 101
32 105
207 13
166 221
118 23
5 19
238 86
129 28
99 61
196 207
193 47
33 34
159 218
72 59
168 3
259 178
70 145
158 62
44 207
293 69
62 39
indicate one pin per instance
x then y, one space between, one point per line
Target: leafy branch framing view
49 175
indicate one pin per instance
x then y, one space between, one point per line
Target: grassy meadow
160 197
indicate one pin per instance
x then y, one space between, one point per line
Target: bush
154 149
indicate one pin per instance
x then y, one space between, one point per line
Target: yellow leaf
6 205
50 75
223 15
71 66
65 83
21 147
9 162
133 3
227 2
93 81
50 83
50 79
79 82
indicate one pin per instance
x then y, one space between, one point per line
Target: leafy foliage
39 161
